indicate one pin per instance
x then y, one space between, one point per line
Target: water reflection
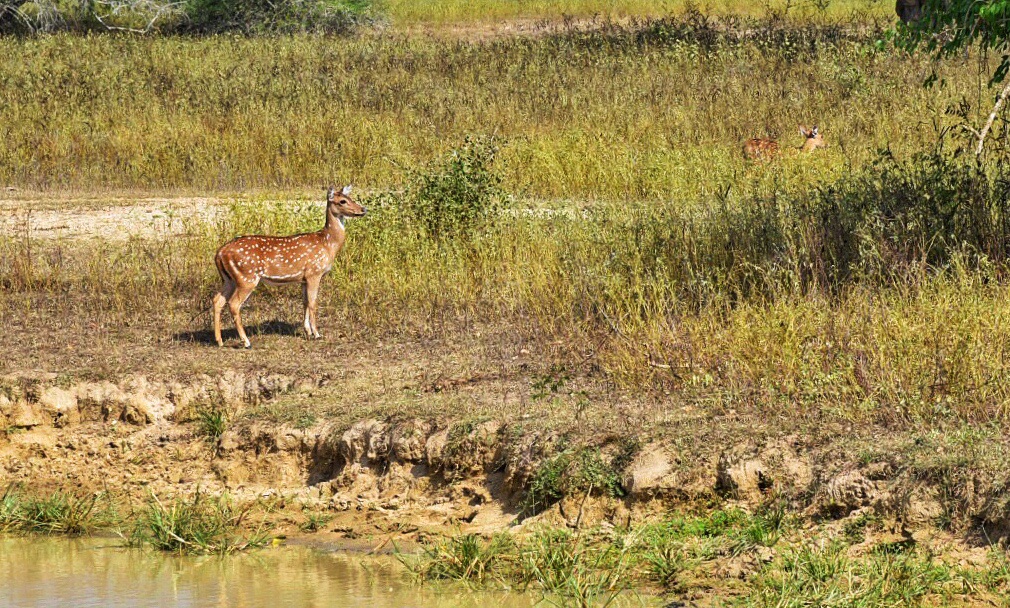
98 572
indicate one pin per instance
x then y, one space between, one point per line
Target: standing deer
301 258
764 149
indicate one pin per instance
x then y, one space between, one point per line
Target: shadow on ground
206 336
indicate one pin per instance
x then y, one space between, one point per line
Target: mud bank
408 477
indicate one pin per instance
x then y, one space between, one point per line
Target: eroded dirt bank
403 477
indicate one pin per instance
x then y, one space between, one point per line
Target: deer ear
331 194
347 190
814 131
803 131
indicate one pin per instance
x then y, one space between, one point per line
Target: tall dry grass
652 111
456 12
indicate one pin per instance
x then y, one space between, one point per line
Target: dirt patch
109 220
408 477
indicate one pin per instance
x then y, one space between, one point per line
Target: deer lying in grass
765 149
301 258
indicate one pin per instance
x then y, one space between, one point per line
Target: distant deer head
301 258
814 139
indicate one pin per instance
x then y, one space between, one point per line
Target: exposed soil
108 219
408 475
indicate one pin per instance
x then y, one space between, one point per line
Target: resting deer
764 149
301 258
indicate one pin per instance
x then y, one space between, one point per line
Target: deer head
339 204
814 139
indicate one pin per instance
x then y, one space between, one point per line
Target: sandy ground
114 219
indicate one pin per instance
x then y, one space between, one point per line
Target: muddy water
83 573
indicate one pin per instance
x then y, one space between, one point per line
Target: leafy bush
572 472
187 16
281 16
459 194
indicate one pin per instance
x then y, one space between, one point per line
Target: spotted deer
765 149
301 258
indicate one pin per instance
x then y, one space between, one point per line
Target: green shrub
190 16
281 16
459 194
572 473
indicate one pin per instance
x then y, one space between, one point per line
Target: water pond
43 572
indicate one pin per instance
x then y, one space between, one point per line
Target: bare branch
118 7
992 117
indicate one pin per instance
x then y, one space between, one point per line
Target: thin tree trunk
992 117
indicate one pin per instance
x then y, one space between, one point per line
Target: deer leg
307 324
235 303
220 299
311 293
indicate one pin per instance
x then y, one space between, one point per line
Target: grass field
455 12
636 113
652 237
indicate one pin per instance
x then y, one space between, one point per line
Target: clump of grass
212 421
464 558
315 521
56 513
819 575
555 563
563 565
201 524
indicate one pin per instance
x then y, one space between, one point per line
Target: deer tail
221 270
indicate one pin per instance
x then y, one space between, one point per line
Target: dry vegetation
456 12
642 112
562 230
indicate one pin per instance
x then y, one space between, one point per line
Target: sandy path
109 220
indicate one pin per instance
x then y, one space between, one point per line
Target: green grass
199 524
212 421
555 563
693 557
59 512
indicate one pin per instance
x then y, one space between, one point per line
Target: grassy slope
650 126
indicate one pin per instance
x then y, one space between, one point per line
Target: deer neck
333 231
